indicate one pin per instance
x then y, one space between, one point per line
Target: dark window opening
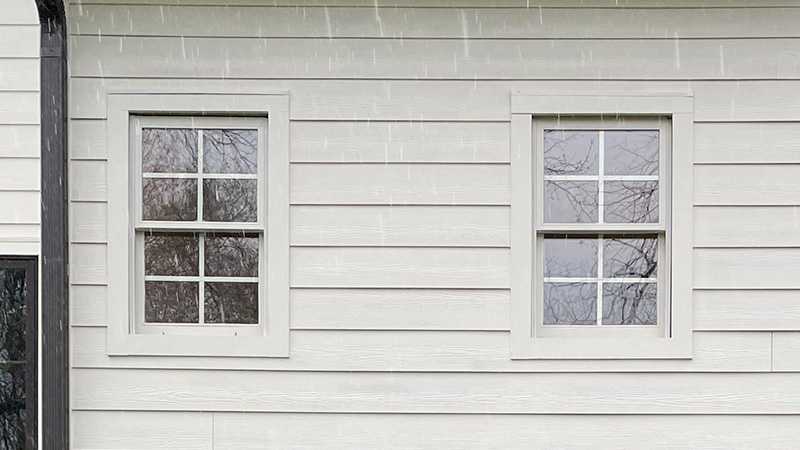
18 359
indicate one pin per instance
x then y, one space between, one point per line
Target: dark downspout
55 256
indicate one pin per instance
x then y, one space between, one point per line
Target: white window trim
122 339
675 342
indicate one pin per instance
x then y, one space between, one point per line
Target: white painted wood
19 207
319 392
480 226
88 264
19 108
397 309
20 12
399 142
141 430
434 59
762 100
448 184
786 352
747 226
743 184
486 268
237 431
88 181
19 174
88 222
13 232
19 41
525 23
433 351
88 305
760 268
463 3
772 309
18 74
20 141
87 139
747 142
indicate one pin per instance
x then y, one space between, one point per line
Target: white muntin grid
247 229
634 228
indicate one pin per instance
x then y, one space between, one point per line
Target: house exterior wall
400 191
19 128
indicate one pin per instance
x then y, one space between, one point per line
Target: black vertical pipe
55 256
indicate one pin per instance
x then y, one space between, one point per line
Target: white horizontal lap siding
246 431
435 59
773 100
19 128
400 219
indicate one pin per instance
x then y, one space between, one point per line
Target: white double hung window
601 226
198 220
199 224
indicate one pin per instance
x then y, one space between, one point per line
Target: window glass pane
171 254
171 302
230 151
631 152
13 312
570 256
169 199
231 255
631 201
630 304
630 257
570 303
570 201
169 150
226 200
570 152
231 303
13 415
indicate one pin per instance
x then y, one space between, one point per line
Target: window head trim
122 339
528 342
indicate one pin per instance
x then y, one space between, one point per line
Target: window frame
30 264
529 338
125 111
202 227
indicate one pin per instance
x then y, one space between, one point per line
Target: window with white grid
199 243
601 210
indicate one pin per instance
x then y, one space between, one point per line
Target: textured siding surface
19 128
400 190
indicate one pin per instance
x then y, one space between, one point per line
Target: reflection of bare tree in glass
169 150
630 303
230 151
631 152
570 152
570 201
570 256
570 303
171 254
12 359
171 302
169 199
226 200
231 255
231 303
631 201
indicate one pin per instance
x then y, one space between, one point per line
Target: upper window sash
138 123
663 125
